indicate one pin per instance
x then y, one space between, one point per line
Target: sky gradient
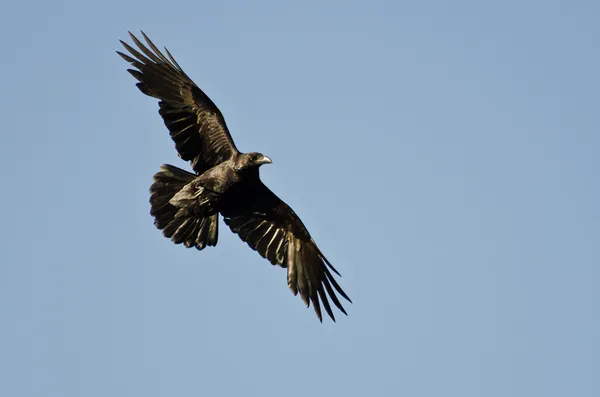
444 156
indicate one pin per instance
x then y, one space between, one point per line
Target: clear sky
443 154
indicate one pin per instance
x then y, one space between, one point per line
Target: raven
186 206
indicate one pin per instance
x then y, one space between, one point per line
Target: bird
225 182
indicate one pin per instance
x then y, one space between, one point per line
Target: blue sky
444 156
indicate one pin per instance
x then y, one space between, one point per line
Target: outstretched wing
194 121
273 229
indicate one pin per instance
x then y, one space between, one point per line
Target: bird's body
186 206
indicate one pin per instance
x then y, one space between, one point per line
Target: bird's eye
255 157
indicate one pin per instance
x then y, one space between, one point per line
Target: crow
186 206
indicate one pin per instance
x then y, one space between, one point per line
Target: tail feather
179 224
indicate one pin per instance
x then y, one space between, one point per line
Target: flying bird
186 205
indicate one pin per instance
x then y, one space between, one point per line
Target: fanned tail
180 223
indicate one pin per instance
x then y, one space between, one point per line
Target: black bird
186 206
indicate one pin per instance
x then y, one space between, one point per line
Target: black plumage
186 206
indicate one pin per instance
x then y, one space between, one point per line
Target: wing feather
195 123
270 227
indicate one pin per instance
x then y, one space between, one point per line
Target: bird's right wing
272 228
194 121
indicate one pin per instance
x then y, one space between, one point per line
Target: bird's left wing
272 228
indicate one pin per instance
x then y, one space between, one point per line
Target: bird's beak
266 160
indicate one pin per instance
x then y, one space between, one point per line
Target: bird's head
252 160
